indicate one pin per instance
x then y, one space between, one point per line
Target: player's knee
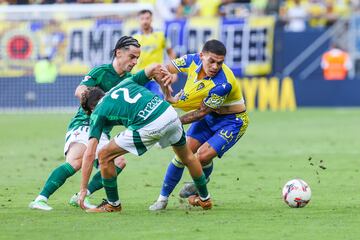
203 157
103 157
120 162
75 163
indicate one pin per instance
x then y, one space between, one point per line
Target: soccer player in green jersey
149 120
125 55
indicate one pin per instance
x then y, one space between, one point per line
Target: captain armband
214 101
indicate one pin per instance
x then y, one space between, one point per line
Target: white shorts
166 130
81 135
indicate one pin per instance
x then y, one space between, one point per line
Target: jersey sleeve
217 95
182 64
140 78
90 80
96 126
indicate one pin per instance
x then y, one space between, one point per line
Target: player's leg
176 167
96 184
96 181
222 140
195 170
107 156
205 153
59 175
185 156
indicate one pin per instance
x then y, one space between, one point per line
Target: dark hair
89 99
145 11
215 46
125 42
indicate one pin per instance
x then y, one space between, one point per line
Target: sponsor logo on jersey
150 107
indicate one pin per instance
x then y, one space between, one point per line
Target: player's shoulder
192 57
225 75
158 32
137 34
100 69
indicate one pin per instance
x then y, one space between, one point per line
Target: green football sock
57 178
200 184
111 190
96 181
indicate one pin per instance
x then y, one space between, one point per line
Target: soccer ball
296 193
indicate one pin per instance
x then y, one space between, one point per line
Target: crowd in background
295 14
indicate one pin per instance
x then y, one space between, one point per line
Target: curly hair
89 99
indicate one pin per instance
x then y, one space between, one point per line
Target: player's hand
168 78
82 195
174 99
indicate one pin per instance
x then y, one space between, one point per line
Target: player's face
211 63
127 59
145 21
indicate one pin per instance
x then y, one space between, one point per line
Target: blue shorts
220 131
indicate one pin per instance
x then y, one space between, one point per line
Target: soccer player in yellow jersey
153 43
216 110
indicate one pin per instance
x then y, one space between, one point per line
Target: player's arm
96 126
88 81
171 53
86 168
79 91
177 65
211 103
195 115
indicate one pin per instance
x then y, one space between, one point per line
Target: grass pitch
245 186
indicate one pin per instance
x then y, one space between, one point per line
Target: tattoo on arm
195 115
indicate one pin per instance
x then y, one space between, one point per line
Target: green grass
246 183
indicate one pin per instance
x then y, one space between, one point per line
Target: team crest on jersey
180 62
215 101
200 86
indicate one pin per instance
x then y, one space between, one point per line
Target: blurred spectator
22 2
336 9
317 13
258 7
335 63
152 2
125 1
234 8
153 43
355 5
166 9
295 15
272 8
208 8
187 8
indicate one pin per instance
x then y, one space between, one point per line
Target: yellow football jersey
152 48
221 90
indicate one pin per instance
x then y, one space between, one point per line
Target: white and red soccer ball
296 193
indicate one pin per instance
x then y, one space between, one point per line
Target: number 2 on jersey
127 97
